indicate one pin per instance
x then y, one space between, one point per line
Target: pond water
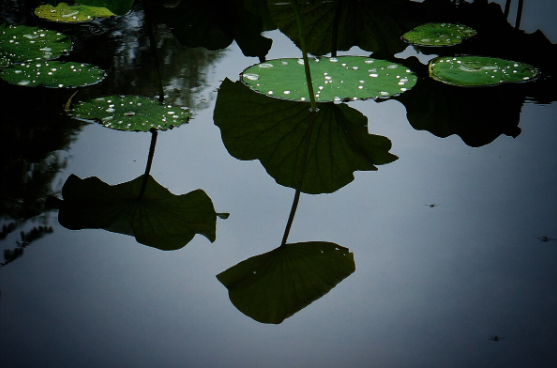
454 242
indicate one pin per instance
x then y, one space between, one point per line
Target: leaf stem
154 134
305 55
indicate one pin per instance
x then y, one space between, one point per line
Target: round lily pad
64 13
438 34
133 113
22 43
54 74
334 79
475 71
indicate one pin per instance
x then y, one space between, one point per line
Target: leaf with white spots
133 113
64 13
438 34
334 79
474 71
53 74
23 43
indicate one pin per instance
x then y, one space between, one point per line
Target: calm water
448 240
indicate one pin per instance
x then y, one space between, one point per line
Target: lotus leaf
64 13
273 286
334 79
473 71
438 34
52 74
275 131
133 113
22 43
159 219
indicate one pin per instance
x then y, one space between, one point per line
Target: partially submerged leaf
118 7
274 131
474 71
438 34
273 286
333 79
54 74
64 13
133 113
23 43
159 219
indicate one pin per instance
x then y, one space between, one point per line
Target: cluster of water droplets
34 44
53 74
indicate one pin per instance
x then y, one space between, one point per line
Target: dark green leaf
254 126
438 34
133 113
159 219
54 74
333 79
273 286
22 43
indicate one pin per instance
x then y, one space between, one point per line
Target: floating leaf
118 7
333 79
64 13
273 286
474 71
438 34
133 113
159 219
274 131
53 74
22 43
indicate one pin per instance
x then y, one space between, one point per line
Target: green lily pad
54 74
64 13
159 219
334 79
274 131
22 43
273 286
133 113
438 34
473 71
118 7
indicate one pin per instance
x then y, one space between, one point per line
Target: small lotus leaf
334 79
54 74
473 71
22 43
438 34
273 286
64 13
133 113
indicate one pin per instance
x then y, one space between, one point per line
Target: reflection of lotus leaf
24 43
438 34
52 74
273 286
274 131
131 113
159 219
334 79
474 71
64 13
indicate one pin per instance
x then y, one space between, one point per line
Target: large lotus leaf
64 13
159 219
273 286
371 25
472 71
274 131
133 113
118 7
334 79
438 34
214 25
54 74
22 43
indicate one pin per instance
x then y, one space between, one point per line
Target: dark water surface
454 242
